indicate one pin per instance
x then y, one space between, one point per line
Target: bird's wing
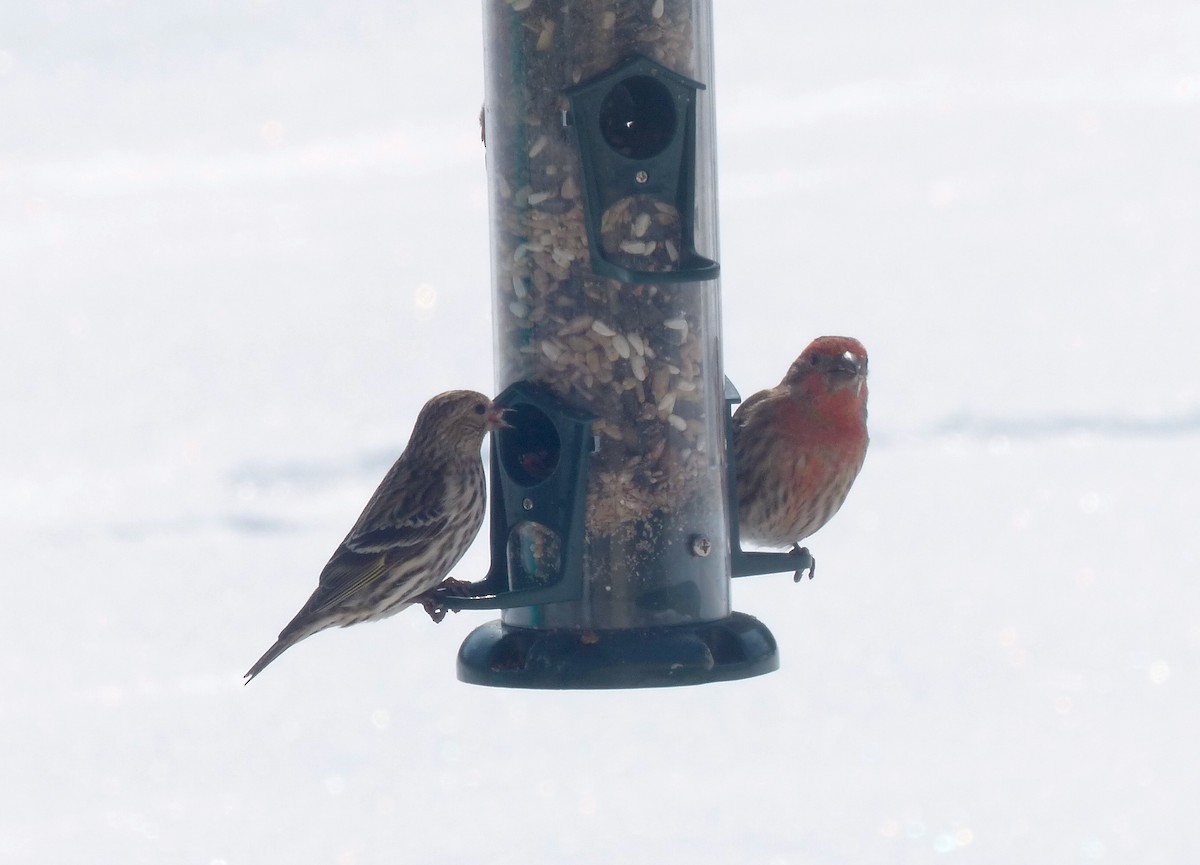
407 511
418 529
397 524
746 408
344 576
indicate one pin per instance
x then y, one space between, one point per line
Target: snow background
242 242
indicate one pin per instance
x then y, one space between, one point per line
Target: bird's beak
495 417
849 365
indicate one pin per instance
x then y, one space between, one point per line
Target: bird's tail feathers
286 641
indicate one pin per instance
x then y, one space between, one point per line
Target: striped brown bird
800 445
418 524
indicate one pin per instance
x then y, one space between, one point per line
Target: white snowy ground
240 244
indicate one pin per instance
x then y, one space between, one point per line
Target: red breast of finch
800 445
417 525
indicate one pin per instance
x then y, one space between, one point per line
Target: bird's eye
480 408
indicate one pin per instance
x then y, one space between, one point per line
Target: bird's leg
432 600
807 563
433 607
461 588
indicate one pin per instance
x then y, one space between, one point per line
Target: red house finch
800 444
415 528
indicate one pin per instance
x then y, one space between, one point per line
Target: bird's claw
807 563
459 588
433 606
432 600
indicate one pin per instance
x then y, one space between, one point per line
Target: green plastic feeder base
503 656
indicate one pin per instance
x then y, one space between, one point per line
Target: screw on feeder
641 177
701 546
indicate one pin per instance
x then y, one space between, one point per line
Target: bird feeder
611 505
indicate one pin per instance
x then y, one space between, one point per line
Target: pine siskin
417 525
800 445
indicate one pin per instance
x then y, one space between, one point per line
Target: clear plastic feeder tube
642 355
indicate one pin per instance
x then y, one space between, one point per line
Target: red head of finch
800 445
